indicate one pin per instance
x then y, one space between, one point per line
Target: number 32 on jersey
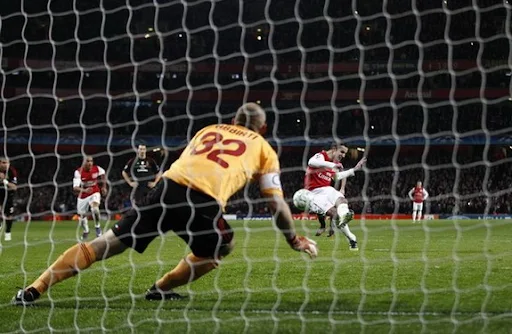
215 146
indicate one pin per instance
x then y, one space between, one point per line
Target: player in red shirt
321 197
417 195
89 185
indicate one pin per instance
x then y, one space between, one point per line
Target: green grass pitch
429 277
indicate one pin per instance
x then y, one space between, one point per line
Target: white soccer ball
301 199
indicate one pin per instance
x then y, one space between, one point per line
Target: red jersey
418 194
88 179
317 177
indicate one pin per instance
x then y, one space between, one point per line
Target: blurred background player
323 169
205 176
9 179
141 173
89 185
417 195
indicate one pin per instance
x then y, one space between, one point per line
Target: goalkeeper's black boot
25 297
154 293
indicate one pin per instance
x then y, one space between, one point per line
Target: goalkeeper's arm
284 221
270 187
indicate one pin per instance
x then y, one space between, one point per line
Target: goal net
420 88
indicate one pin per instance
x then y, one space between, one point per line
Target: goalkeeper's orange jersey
222 158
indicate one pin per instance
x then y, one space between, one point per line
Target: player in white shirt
417 195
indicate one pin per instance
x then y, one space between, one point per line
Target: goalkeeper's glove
303 244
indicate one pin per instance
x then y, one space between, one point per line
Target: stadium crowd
120 38
202 29
316 121
460 183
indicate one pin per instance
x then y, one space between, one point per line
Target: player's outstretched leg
95 211
189 269
346 215
77 258
352 239
321 230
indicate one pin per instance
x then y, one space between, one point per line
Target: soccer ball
301 199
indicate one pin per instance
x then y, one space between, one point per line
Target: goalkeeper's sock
188 270
72 261
8 225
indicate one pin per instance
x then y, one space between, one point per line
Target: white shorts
323 199
83 204
417 206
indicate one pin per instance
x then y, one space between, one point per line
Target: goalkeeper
218 161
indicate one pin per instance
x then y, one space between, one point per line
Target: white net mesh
422 88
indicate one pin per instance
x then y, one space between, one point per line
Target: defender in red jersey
417 195
324 168
89 184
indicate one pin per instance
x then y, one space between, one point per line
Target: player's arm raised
271 190
350 172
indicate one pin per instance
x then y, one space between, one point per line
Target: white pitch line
380 313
